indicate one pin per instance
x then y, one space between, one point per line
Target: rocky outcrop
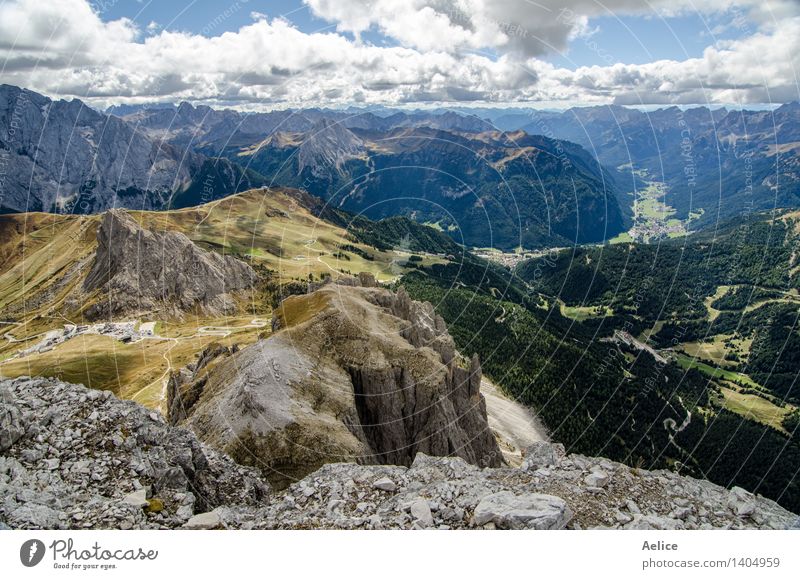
137 270
354 373
82 459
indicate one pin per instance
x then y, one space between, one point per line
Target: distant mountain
485 189
65 157
209 131
722 162
329 145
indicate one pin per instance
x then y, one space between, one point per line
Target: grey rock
597 479
655 522
12 427
528 511
421 513
385 484
741 502
31 515
622 517
137 499
173 478
632 507
542 454
210 520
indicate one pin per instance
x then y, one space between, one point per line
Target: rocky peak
138 270
72 457
355 373
327 146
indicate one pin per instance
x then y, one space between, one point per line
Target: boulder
597 479
421 513
526 511
385 484
210 520
137 499
741 502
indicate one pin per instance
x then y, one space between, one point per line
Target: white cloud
759 68
61 47
527 27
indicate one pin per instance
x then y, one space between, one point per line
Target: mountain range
484 188
65 157
338 294
514 179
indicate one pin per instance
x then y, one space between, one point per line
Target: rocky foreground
71 457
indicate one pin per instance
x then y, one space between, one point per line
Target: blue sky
252 54
197 15
624 38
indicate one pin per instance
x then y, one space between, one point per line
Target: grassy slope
269 228
274 229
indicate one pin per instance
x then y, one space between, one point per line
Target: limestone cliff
137 270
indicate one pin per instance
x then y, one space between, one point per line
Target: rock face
86 460
136 270
64 155
354 373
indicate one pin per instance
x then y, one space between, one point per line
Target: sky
254 54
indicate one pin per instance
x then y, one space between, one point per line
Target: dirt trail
515 426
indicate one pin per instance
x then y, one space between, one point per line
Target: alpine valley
372 318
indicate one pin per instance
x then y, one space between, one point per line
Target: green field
583 313
687 362
623 237
754 407
716 350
